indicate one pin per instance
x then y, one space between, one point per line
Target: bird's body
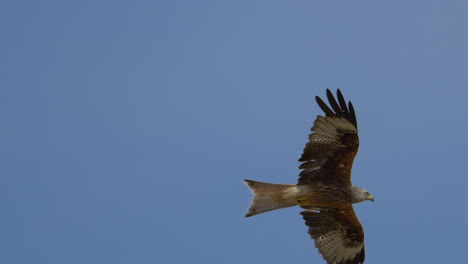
324 188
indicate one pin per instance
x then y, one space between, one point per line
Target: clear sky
127 127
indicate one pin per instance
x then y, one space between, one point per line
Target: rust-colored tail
269 196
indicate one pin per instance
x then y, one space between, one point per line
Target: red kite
324 189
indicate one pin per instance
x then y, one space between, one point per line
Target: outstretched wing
337 233
333 143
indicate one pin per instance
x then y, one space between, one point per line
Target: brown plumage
324 187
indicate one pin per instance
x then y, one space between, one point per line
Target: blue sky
128 126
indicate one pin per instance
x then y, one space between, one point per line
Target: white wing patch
329 229
309 170
331 247
326 128
327 132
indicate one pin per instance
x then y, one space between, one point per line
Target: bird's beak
371 197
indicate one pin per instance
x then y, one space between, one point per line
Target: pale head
361 195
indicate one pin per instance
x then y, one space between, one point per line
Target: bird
324 188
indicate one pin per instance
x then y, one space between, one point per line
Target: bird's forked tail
269 196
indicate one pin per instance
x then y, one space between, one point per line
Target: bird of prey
324 189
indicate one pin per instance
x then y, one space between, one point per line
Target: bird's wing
337 233
333 143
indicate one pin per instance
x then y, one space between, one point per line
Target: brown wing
337 233
332 145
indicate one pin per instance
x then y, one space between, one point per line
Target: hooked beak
370 197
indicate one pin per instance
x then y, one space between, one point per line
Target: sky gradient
128 127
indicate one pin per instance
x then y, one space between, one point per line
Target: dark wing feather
333 143
324 106
333 103
337 233
352 114
342 101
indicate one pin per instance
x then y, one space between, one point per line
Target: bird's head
369 196
361 195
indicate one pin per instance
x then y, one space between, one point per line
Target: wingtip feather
333 103
324 106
